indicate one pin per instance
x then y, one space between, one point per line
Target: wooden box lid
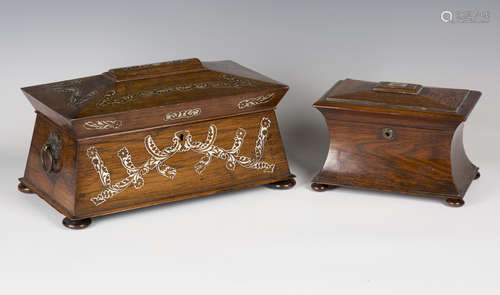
159 94
400 99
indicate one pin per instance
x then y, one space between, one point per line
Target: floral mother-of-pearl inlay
189 113
77 95
182 142
228 81
102 124
250 102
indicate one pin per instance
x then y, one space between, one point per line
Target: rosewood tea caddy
397 137
144 135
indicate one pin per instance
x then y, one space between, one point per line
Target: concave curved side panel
413 160
462 168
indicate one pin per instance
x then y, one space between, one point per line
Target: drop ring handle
47 158
50 153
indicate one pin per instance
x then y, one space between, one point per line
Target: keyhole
181 136
388 133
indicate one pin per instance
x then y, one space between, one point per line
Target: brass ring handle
47 158
50 153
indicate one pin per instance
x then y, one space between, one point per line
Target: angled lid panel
232 68
400 98
68 98
184 90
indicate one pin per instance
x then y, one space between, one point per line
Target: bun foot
76 224
477 175
284 184
24 189
319 187
455 202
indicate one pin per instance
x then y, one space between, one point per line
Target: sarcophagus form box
144 135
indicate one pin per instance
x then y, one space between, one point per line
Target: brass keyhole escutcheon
50 153
388 133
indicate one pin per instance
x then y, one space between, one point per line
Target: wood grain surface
114 113
59 188
420 154
70 190
186 181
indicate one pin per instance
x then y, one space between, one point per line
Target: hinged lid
400 99
157 94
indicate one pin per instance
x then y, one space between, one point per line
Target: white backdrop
257 241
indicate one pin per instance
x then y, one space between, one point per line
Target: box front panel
126 170
388 157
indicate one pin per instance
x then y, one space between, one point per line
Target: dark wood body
424 156
189 128
419 161
70 190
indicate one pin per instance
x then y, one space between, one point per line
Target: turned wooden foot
477 175
24 189
76 224
284 184
455 202
320 187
